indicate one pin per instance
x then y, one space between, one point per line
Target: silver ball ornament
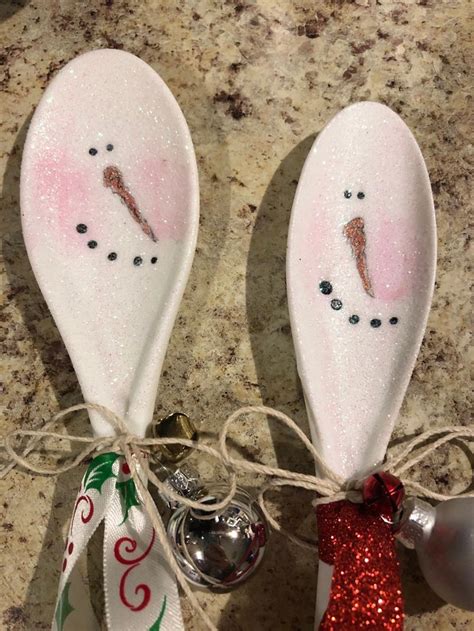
444 541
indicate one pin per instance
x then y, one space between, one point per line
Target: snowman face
364 239
355 237
109 199
109 166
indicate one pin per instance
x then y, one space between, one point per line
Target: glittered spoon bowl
360 274
110 206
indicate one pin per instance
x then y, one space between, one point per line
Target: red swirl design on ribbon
129 548
86 512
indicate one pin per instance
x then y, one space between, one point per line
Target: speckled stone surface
256 81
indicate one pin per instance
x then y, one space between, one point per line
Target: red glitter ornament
365 588
383 493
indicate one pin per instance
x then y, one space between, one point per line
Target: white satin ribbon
140 590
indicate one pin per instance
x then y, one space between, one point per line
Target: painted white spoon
360 272
110 205
110 211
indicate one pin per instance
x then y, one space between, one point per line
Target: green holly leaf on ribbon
128 493
100 470
64 608
157 624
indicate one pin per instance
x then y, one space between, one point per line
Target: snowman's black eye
360 195
347 194
110 147
93 151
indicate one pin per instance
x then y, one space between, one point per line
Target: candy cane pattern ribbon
140 590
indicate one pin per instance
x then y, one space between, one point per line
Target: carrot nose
113 179
354 231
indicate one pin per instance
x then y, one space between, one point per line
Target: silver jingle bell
223 551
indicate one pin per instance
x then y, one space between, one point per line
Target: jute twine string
328 485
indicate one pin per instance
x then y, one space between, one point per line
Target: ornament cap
416 522
186 482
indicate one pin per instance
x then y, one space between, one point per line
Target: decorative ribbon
144 541
140 591
366 588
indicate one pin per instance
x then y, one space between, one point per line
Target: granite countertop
256 81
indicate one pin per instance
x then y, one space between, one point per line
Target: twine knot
122 440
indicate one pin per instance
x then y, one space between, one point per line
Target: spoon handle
360 276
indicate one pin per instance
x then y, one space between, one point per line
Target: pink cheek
391 261
63 197
313 249
164 194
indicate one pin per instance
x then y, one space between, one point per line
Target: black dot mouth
326 288
92 244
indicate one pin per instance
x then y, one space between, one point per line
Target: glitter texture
365 589
114 316
362 370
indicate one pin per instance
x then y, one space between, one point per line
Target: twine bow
328 485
